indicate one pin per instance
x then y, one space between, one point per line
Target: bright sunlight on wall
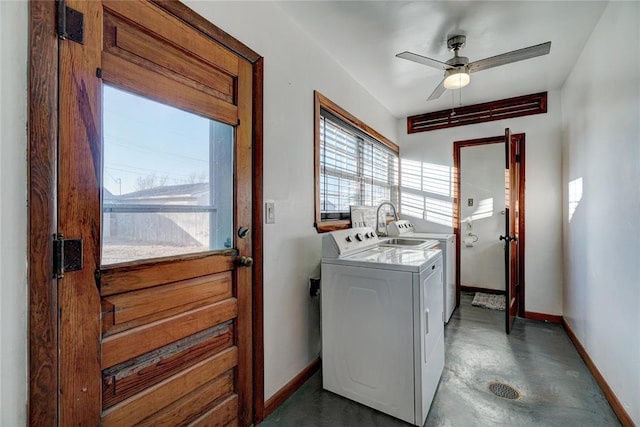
575 194
427 191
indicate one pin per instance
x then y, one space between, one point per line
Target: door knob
245 261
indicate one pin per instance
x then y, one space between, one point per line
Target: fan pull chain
453 101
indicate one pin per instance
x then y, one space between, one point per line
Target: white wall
543 193
13 213
482 179
601 145
294 68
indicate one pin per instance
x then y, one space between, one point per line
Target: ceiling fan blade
424 60
509 57
439 90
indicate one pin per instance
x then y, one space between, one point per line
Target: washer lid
391 258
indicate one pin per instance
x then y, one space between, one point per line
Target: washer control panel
341 242
396 228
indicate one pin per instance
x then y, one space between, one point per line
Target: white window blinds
355 169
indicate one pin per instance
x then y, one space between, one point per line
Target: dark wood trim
321 101
187 15
316 165
521 225
258 241
550 318
43 297
518 106
609 394
328 104
326 226
43 135
457 146
483 290
291 387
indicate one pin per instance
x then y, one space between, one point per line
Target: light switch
270 212
469 202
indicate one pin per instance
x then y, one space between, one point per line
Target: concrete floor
537 359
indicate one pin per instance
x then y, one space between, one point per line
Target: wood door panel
222 414
193 405
153 399
143 339
158 22
126 379
134 45
130 309
140 80
135 276
79 163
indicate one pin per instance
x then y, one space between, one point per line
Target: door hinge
70 23
517 158
67 255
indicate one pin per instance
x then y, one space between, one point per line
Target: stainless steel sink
403 242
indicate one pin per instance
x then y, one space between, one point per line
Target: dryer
404 228
381 316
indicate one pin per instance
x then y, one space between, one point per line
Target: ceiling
365 36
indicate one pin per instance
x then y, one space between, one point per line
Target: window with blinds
354 168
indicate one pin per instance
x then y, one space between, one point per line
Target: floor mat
491 301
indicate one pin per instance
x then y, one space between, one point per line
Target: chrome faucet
395 215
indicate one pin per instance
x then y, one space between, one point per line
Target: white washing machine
404 228
382 329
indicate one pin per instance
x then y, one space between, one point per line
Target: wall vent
479 113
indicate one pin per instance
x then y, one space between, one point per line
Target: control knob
359 237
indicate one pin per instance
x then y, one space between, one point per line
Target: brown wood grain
79 391
140 275
80 165
182 12
123 381
457 146
511 202
327 104
137 304
258 239
42 134
622 414
316 167
550 318
147 51
135 342
140 80
158 21
222 414
243 214
291 387
153 399
479 113
522 223
193 405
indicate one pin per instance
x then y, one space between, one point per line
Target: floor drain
504 390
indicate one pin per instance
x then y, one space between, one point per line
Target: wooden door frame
457 146
42 210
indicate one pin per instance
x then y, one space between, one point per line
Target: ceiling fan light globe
456 79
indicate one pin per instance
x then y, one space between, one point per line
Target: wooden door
161 335
512 225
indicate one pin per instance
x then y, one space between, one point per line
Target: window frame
322 102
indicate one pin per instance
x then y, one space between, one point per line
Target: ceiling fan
458 68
